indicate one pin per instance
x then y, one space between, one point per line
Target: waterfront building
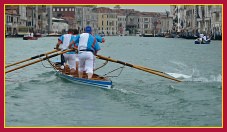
121 24
182 20
132 21
63 17
216 21
107 21
11 20
121 21
194 19
149 23
59 25
85 16
49 19
32 18
42 19
166 22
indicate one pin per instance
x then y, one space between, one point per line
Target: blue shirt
66 39
87 42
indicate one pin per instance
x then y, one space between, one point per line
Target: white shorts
77 58
86 61
71 60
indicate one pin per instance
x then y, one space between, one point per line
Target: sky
145 8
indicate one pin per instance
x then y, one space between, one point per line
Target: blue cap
88 29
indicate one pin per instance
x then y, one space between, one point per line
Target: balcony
207 19
216 10
9 24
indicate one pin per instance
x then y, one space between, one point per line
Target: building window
53 9
62 9
66 9
72 9
69 9
57 9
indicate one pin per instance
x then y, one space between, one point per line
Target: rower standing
68 57
87 48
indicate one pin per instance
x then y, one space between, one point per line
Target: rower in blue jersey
68 57
87 46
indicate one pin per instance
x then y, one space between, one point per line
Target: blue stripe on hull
102 84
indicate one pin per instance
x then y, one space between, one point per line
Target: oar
159 73
53 55
34 57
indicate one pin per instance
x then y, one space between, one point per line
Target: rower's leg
80 74
72 72
89 75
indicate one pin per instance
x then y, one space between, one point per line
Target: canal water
36 97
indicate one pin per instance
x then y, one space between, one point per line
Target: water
36 97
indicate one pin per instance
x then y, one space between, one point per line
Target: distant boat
147 35
27 37
53 35
138 34
197 41
38 35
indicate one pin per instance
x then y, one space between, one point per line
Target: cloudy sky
146 8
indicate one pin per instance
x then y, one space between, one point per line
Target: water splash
125 91
217 78
197 77
186 73
179 76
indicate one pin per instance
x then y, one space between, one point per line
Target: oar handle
39 60
34 57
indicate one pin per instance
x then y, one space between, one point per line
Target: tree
167 13
117 7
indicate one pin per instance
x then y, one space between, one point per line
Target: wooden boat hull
97 81
30 38
147 35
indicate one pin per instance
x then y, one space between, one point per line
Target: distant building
166 22
12 20
107 21
59 25
86 17
65 12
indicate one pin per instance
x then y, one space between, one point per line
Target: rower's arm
58 44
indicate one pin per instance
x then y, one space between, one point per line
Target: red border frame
2 2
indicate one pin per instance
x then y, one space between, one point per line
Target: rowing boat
97 80
29 38
197 41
